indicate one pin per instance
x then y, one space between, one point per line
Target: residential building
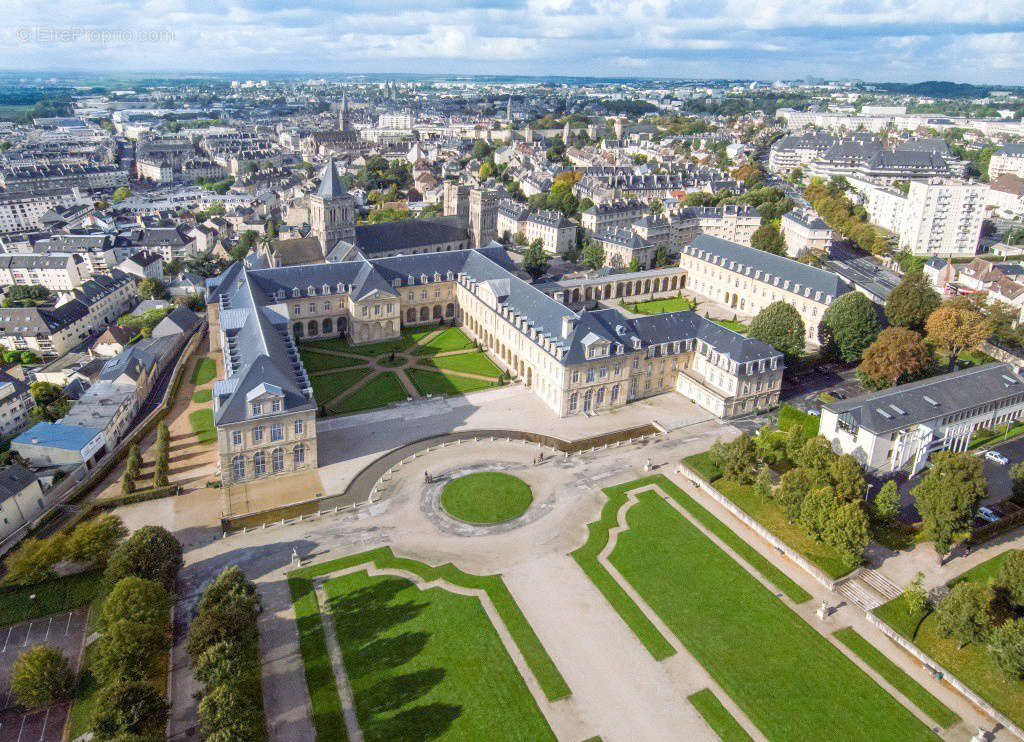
1007 160
943 218
57 445
803 230
143 264
59 272
21 499
15 405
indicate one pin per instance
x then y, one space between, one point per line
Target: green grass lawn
718 717
439 383
790 681
329 386
205 370
732 325
428 664
203 395
470 363
377 392
403 342
790 416
705 465
450 339
53 596
486 497
896 677
313 361
771 516
661 306
203 427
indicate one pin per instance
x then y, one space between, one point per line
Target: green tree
848 531
915 597
887 501
1017 480
230 620
634 266
816 457
779 324
1010 576
33 561
763 484
846 478
793 487
245 243
126 709
95 539
964 613
948 497
227 710
851 324
151 553
121 194
771 445
911 302
152 288
897 356
739 460
1007 646
134 461
957 325
767 237
661 257
593 254
816 510
138 601
40 676
50 403
535 260
126 649
219 663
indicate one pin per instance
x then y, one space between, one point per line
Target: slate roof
1013 149
330 184
178 320
13 479
297 251
372 239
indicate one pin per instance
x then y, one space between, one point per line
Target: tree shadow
385 653
362 615
415 725
392 693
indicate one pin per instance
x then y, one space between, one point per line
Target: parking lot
64 631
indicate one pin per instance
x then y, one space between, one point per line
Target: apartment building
60 272
748 280
609 216
548 225
1006 195
900 427
22 213
803 230
1007 160
943 218
884 204
54 178
15 405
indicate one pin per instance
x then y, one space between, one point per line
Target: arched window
410 316
277 460
573 401
588 400
238 468
615 393
437 311
259 464
297 329
424 314
449 310
600 396
300 455
312 327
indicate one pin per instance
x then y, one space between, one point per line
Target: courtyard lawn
486 497
329 386
450 339
203 373
397 345
336 344
439 383
896 677
468 363
790 416
52 596
428 664
313 361
379 391
704 464
661 306
202 396
788 679
718 717
202 425
733 325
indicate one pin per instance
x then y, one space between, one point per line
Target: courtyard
423 362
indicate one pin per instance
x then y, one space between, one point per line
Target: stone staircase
868 589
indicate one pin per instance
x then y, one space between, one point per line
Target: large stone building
1007 160
804 230
575 361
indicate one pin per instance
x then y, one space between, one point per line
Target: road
860 269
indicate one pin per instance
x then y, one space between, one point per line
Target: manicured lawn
336 343
451 339
377 392
203 395
439 383
771 516
387 346
661 306
788 679
329 386
732 325
790 416
202 425
204 371
905 684
486 497
705 465
470 363
54 596
717 716
313 361
895 614
428 664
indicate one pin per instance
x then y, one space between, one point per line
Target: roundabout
486 498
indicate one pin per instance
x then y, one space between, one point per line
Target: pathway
348 700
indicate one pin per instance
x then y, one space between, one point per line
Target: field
718 717
202 396
313 361
442 384
448 340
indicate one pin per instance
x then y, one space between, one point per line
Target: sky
876 40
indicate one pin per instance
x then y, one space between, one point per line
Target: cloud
768 39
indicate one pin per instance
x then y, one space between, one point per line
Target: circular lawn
486 497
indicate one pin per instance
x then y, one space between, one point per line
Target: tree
230 620
152 288
768 238
245 243
121 194
229 711
948 497
763 484
793 487
50 403
897 356
816 510
1007 646
634 266
593 254
771 445
1010 576
136 600
964 613
151 553
911 302
40 676
128 708
125 650
1017 479
780 326
174 267
661 257
848 532
535 260
231 584
815 457
845 476
127 484
33 561
739 460
852 323
95 539
887 501
915 597
218 663
956 326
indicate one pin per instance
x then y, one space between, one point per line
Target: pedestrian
426 477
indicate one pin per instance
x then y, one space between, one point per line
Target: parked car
987 515
997 458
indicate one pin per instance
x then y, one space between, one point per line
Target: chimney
568 325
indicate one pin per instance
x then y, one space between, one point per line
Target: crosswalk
868 589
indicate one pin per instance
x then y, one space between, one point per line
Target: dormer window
451 276
311 291
326 290
411 280
257 408
423 278
296 293
341 288
279 294
437 277
275 405
397 282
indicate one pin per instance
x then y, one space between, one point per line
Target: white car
997 457
987 515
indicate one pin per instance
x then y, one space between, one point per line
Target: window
573 400
276 432
257 434
300 455
298 427
312 307
327 306
238 468
236 437
277 460
590 375
298 310
275 406
615 393
259 464
257 408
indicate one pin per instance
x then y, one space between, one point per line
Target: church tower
343 123
566 133
508 109
331 211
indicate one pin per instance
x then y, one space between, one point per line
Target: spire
330 184
508 109
343 116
